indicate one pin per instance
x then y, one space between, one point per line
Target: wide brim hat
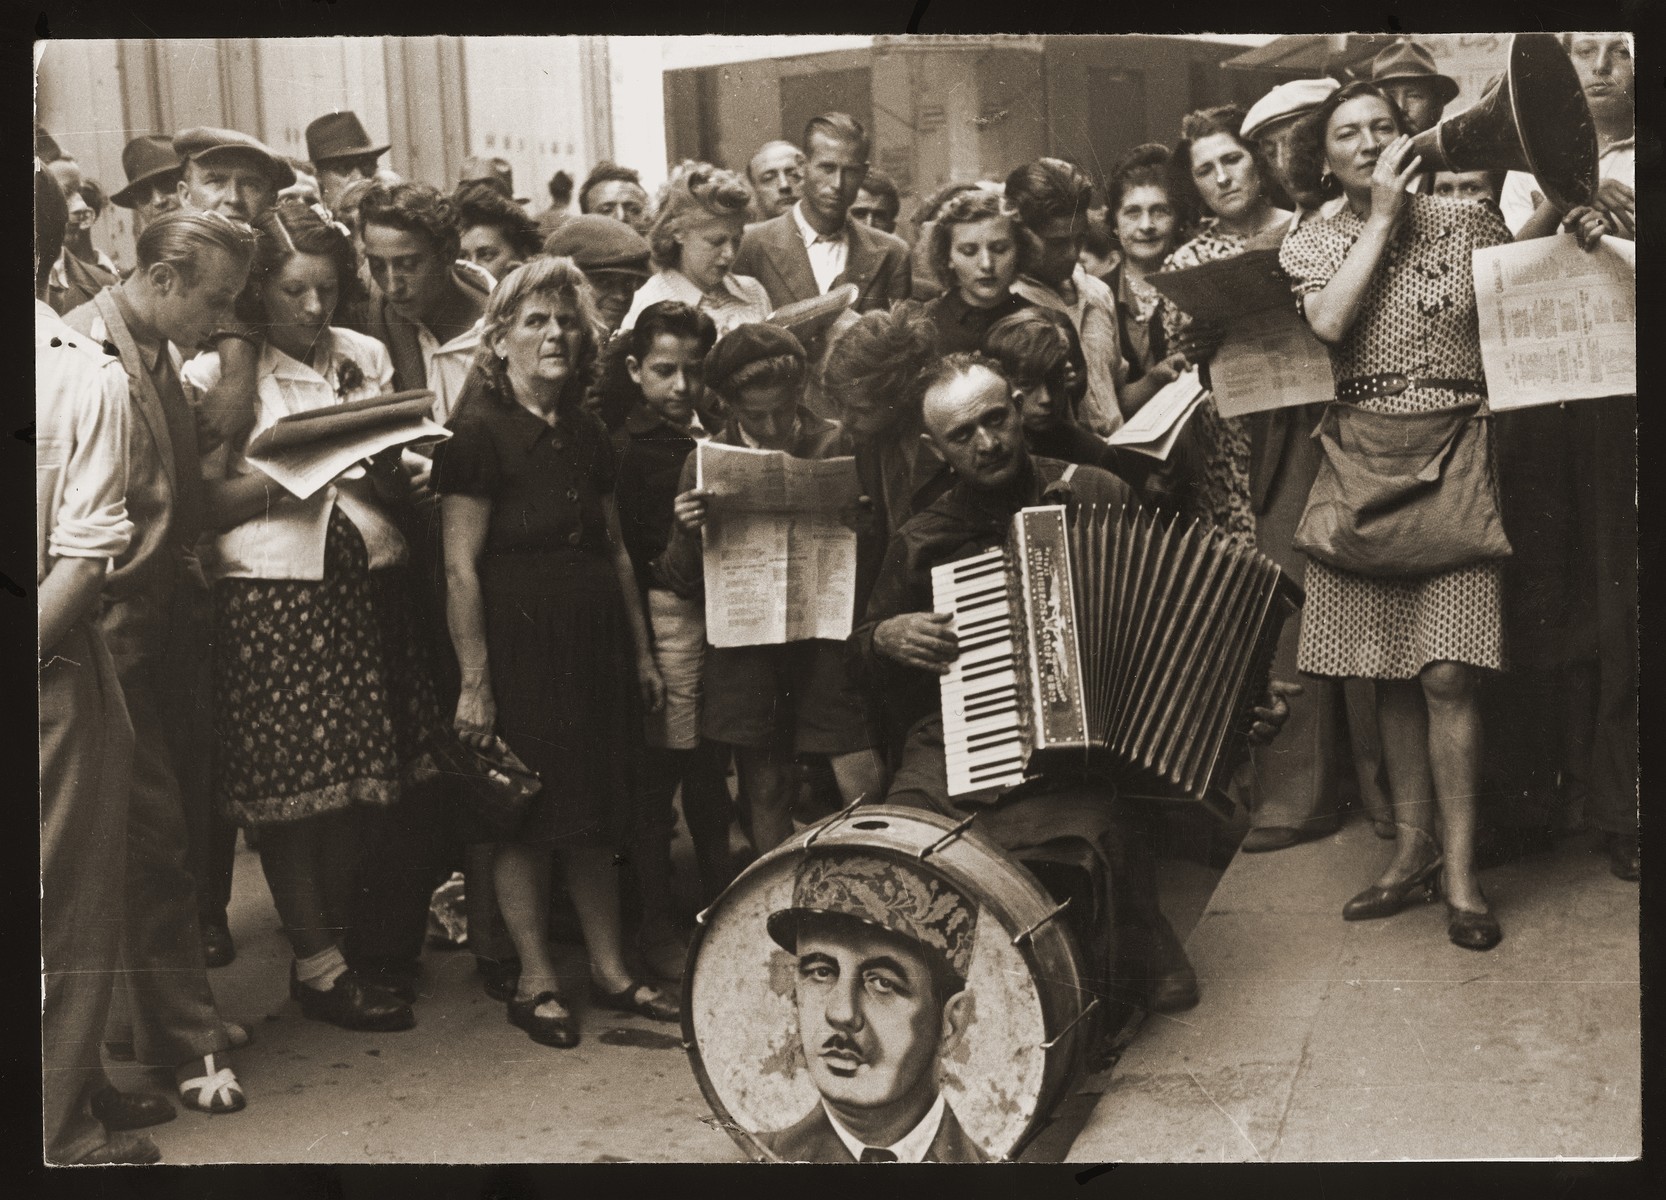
1404 60
204 143
808 320
881 893
339 135
145 160
1286 102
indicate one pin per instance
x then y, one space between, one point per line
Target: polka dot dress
1222 496
1417 317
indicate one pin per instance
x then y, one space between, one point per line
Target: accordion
1109 642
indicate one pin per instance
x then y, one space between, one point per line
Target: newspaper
779 560
1557 322
302 469
1269 357
1156 427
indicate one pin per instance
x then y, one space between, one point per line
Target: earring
1325 177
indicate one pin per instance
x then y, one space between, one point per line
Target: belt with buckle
1392 383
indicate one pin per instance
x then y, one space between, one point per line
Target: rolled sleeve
91 518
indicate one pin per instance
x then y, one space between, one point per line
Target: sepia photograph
837 598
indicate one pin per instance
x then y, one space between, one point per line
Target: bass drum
1024 1041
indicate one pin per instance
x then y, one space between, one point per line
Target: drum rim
1068 1030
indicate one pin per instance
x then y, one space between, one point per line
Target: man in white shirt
86 738
1052 198
814 246
882 951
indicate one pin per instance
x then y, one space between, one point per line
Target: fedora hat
339 135
147 160
495 171
1403 59
204 142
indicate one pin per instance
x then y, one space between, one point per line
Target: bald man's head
967 407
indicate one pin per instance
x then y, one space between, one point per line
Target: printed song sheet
780 562
1269 357
1156 427
1557 323
302 469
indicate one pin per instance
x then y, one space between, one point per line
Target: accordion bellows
1108 641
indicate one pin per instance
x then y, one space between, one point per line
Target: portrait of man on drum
882 950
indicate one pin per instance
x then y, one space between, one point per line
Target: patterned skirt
1359 627
323 696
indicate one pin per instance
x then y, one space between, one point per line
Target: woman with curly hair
547 623
323 698
973 249
1146 219
695 239
494 233
1216 172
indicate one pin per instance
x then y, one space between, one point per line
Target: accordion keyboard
982 719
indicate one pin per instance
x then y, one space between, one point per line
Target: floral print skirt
323 697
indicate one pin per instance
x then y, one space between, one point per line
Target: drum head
742 1020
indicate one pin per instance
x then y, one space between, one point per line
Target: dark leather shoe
500 977
354 1004
560 1032
130 1110
1624 858
400 979
218 950
1281 837
1472 930
1375 902
133 1152
1174 982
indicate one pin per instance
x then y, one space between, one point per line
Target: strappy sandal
215 1091
560 1032
657 1006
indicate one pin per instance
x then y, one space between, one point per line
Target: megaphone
1534 118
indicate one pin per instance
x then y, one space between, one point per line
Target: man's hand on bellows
1270 718
923 640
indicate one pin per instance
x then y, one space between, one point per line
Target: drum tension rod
1048 1045
946 838
844 812
1025 935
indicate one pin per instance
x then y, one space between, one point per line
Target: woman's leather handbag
493 784
1403 494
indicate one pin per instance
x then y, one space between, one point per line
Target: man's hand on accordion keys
1270 717
923 640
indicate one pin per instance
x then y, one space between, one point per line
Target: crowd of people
217 654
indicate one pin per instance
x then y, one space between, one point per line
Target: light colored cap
1287 100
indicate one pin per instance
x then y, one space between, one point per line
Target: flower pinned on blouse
349 377
323 214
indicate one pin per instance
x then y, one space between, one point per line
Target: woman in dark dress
974 251
547 623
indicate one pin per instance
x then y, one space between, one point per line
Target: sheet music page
302 470
1557 323
1270 359
1154 429
780 563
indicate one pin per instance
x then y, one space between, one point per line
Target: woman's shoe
214 1089
501 977
1472 930
353 1004
560 1032
1378 901
655 1005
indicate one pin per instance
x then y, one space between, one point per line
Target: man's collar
910 1148
807 232
152 346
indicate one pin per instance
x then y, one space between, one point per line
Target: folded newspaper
304 451
1156 427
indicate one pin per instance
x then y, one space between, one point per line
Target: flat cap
598 243
1288 100
747 344
204 143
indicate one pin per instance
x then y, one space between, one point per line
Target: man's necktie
870 1154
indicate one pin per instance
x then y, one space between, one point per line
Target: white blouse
742 300
287 540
